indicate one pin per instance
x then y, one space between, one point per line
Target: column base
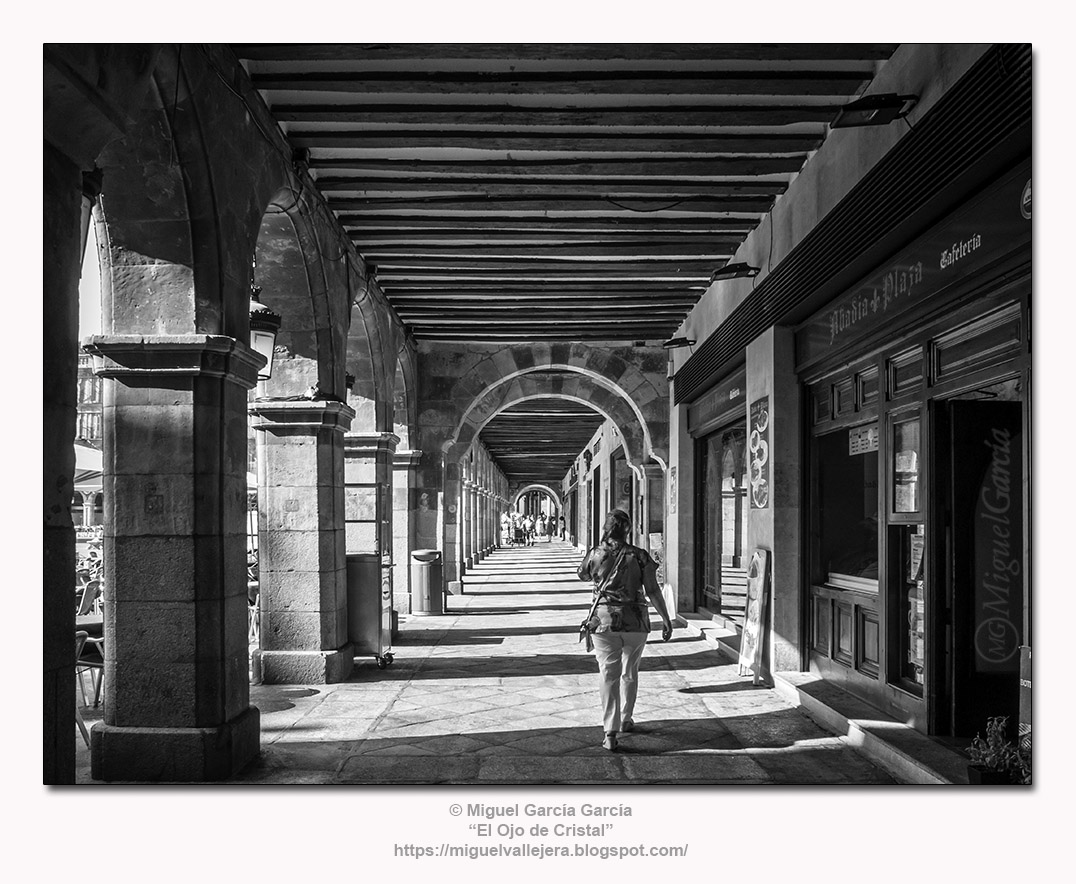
455 587
307 667
175 754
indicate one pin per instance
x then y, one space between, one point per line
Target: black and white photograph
530 422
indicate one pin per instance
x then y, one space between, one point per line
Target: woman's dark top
623 605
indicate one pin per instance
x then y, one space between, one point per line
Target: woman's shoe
609 742
627 727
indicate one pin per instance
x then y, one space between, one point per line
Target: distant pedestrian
622 574
528 529
563 528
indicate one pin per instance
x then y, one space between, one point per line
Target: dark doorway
981 480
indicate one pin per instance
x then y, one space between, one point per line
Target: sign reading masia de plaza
982 231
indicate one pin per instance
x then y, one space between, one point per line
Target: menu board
751 639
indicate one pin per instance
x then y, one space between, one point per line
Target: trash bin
369 608
426 582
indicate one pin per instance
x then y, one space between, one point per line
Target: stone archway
534 486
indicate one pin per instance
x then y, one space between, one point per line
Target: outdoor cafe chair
90 590
91 659
80 641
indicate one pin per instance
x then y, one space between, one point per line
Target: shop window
906 456
724 523
846 513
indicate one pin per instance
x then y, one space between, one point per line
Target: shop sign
995 224
726 396
751 639
759 443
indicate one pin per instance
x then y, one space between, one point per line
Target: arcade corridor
359 302
499 691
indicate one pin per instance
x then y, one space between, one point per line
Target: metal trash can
426 582
369 608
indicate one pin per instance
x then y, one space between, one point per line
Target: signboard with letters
726 397
989 227
751 639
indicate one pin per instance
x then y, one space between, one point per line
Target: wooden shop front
917 433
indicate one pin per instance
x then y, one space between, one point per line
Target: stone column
467 523
771 374
453 488
404 466
59 378
301 541
175 604
480 522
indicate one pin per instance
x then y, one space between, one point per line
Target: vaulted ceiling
525 192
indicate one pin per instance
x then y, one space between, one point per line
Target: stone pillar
404 466
480 521
467 523
301 541
175 604
453 488
771 374
59 378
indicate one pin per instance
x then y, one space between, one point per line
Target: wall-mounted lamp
264 324
874 110
349 382
731 271
676 343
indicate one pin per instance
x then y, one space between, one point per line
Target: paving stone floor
498 690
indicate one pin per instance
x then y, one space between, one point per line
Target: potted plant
995 760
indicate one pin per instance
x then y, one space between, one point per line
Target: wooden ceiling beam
406 308
594 166
451 239
713 52
623 222
702 205
418 268
551 139
656 81
485 114
336 188
477 336
480 290
389 254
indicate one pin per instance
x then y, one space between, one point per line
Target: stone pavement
498 690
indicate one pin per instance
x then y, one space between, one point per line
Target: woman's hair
617 527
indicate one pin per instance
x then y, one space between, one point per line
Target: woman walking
624 576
